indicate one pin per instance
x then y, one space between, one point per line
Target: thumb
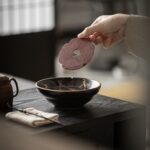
89 31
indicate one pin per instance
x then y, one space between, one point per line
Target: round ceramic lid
76 54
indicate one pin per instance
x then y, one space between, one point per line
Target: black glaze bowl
68 92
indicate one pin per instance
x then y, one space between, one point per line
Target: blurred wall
27 38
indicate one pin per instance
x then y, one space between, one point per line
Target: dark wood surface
104 120
98 107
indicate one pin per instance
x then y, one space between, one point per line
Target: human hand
106 30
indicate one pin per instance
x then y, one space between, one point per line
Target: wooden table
103 121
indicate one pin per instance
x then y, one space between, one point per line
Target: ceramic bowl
68 92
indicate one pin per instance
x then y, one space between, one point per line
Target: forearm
137 35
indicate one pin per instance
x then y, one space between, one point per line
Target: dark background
31 53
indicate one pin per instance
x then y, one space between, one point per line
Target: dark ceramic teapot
6 92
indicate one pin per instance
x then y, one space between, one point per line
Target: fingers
97 38
94 36
106 40
106 30
105 24
101 25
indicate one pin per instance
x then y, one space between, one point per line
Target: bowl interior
67 84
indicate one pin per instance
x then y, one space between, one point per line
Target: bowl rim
66 91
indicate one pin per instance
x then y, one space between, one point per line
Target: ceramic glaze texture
68 92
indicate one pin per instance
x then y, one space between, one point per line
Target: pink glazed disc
76 54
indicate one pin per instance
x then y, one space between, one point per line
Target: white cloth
30 119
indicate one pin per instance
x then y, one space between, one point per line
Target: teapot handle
16 84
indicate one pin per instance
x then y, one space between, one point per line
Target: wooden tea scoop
35 114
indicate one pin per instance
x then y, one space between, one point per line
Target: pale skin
106 29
